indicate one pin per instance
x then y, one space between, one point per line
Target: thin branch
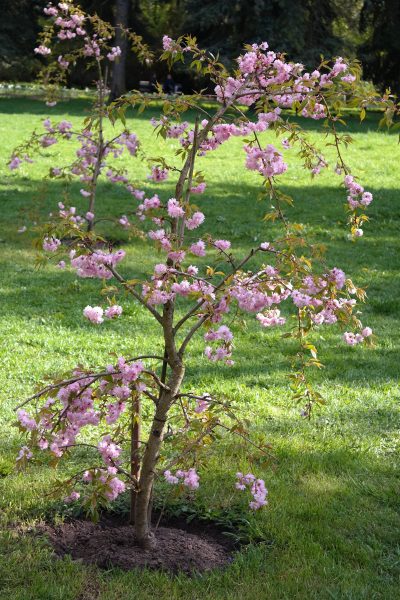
135 294
94 377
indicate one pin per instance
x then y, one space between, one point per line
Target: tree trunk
143 532
118 79
135 446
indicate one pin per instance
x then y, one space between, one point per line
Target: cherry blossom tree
285 282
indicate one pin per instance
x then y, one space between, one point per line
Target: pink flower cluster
78 409
271 318
26 421
158 174
43 50
257 489
95 264
352 339
70 24
51 244
110 485
223 352
268 162
357 198
115 53
261 71
189 478
95 313
108 450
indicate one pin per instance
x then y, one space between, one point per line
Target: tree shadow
81 106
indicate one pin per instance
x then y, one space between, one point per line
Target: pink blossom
348 78
198 189
189 478
160 269
174 209
43 50
24 454
14 163
51 244
26 420
158 174
223 333
115 488
267 162
115 53
47 140
222 245
174 131
108 450
50 11
113 311
257 489
271 318
168 43
366 198
198 248
94 314
352 339
192 270
195 220
72 497
114 411
85 193
338 277
202 404
64 64
124 221
169 478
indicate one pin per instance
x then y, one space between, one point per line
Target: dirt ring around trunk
110 543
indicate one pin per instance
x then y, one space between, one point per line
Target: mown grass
331 530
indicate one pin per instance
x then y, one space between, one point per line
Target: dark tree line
305 29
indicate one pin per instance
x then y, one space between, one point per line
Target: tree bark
143 532
135 446
118 78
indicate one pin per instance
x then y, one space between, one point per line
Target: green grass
332 527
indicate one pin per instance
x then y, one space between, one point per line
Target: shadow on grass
80 107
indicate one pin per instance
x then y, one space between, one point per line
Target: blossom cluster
257 489
188 478
95 313
97 264
85 402
261 71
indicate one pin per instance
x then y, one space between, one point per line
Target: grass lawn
332 528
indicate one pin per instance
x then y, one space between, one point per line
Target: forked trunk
143 531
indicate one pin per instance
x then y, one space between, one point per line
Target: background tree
121 22
303 29
380 53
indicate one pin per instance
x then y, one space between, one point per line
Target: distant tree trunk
118 78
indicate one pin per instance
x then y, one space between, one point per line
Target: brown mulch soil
110 543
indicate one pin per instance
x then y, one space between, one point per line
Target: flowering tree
285 279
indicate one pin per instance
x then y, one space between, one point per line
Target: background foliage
306 29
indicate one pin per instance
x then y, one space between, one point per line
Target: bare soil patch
181 547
